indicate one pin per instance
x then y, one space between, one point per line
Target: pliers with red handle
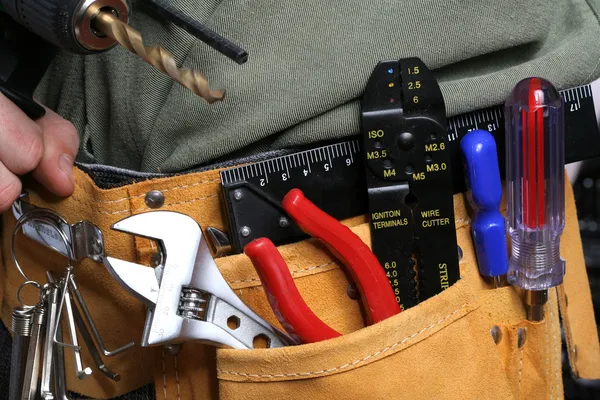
294 315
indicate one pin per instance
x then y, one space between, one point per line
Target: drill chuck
67 23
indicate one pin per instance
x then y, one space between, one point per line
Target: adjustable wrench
186 295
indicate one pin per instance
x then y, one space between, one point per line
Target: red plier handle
295 316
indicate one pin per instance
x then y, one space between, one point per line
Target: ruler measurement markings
287 170
225 177
329 155
578 102
266 175
343 149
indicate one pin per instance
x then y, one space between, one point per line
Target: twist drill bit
159 58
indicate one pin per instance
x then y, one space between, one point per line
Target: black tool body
333 175
409 180
24 59
252 194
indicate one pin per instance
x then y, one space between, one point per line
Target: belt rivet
155 199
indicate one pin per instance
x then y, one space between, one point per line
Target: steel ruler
333 175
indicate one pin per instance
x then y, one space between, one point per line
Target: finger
61 143
21 143
10 188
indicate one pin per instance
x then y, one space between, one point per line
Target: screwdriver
535 181
488 227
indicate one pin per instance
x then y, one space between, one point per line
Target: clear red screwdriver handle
535 181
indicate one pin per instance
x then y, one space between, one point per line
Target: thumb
61 143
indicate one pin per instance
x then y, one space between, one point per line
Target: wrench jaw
179 237
191 300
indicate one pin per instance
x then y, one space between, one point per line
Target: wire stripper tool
409 182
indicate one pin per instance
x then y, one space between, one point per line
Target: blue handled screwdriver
488 226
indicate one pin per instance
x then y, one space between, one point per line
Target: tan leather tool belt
441 348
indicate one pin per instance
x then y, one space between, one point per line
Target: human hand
47 147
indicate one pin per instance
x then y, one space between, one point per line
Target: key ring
21 286
44 216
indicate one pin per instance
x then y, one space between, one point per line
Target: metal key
51 321
34 352
21 327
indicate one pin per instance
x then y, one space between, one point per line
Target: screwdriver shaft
156 56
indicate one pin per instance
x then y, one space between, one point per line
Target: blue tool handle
488 226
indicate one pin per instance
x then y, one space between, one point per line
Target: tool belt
441 348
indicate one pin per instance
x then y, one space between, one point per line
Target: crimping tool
409 182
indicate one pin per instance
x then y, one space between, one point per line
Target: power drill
32 31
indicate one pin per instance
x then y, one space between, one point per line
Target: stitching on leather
143 195
556 346
520 370
145 208
164 373
548 385
353 363
296 272
177 378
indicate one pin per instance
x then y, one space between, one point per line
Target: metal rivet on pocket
352 292
173 349
496 334
460 253
155 199
521 337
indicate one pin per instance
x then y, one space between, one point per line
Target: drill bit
159 58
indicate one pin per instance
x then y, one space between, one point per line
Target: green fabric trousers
308 65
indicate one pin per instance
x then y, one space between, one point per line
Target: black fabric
145 393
